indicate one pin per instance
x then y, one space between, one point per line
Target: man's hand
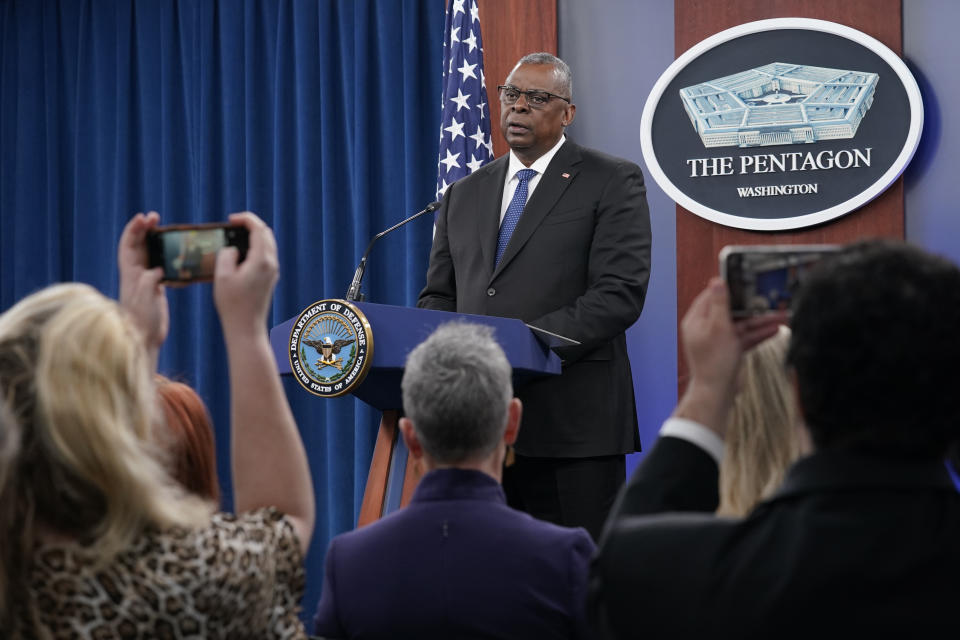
242 291
714 345
141 293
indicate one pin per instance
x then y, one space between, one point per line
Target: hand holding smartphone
765 278
188 252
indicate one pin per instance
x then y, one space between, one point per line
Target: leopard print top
240 577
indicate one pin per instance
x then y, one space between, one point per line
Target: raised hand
141 294
714 345
242 291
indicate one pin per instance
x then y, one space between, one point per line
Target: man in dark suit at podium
863 537
559 236
457 562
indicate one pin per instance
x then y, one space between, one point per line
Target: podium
396 331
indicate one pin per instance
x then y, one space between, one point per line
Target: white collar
539 165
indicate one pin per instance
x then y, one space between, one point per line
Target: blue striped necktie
513 212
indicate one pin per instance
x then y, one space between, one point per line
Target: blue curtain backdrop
321 116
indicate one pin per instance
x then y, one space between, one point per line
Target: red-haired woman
193 457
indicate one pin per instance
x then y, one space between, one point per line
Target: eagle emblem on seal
328 348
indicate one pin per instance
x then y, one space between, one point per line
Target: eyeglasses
535 99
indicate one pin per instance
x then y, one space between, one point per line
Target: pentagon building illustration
779 103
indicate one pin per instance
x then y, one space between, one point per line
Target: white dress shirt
695 433
539 165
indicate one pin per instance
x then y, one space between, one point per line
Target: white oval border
810 219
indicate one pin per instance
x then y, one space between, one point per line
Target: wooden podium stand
396 330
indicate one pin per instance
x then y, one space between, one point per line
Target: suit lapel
487 214
559 174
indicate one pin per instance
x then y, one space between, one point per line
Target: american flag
465 143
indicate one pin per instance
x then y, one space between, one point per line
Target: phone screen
762 279
189 253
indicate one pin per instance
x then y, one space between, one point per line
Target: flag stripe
465 143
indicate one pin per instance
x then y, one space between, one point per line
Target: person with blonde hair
9 446
102 542
763 438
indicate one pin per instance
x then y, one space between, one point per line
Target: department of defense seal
331 348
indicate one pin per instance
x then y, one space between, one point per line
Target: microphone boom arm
353 293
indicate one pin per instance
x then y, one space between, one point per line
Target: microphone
353 293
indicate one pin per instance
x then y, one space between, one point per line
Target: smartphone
188 252
764 278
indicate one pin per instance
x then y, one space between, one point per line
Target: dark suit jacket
675 475
577 264
850 543
457 562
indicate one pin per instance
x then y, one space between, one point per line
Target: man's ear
569 114
514 413
410 438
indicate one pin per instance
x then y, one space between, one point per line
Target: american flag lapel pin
565 175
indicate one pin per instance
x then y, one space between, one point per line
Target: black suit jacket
577 264
850 544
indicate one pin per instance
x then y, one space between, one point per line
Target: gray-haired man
457 562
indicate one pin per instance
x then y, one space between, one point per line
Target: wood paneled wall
511 29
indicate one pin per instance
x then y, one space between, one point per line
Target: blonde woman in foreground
102 542
763 438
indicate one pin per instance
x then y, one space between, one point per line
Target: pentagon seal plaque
781 124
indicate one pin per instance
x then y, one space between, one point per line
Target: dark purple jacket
457 562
